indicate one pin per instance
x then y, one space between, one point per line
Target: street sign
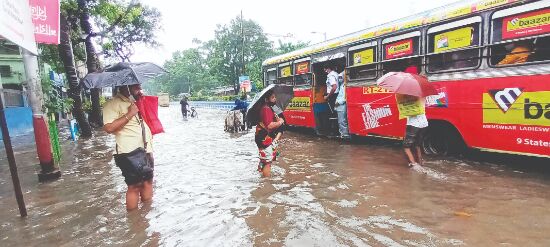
245 84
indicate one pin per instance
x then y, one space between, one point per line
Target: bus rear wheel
442 140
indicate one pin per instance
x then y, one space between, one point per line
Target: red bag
148 108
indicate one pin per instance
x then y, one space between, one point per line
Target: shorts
268 154
413 136
134 177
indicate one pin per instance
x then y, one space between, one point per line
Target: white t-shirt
419 121
332 79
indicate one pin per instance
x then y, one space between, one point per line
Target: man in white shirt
341 109
416 127
332 85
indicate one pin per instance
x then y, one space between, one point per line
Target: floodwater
323 192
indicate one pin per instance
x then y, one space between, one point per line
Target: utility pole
11 158
48 169
242 43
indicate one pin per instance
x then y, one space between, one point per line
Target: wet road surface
322 193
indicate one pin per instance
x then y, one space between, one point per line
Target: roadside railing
223 105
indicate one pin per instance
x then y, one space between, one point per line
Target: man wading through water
267 136
121 118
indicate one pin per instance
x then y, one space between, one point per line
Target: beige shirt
129 137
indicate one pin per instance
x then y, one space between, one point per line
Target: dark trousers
332 103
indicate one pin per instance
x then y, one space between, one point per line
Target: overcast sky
184 20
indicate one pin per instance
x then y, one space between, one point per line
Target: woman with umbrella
410 91
268 123
265 136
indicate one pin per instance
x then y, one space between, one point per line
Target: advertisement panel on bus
299 111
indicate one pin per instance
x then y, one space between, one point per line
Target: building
12 77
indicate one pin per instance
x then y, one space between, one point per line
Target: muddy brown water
322 193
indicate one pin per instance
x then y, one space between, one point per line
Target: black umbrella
283 93
123 74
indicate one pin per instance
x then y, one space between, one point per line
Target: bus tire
442 139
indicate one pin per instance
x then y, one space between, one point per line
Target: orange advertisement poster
302 68
399 49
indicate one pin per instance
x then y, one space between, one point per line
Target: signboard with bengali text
45 17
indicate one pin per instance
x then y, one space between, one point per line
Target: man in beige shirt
121 118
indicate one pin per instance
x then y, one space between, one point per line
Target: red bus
489 60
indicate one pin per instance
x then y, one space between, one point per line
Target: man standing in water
184 104
121 118
266 135
414 132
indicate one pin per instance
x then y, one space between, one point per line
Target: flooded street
322 193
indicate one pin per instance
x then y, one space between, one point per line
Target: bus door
362 72
326 120
300 110
399 53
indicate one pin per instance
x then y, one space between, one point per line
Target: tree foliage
124 24
238 48
235 48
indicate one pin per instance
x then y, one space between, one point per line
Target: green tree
122 25
188 72
236 50
286 47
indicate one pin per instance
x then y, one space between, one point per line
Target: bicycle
193 113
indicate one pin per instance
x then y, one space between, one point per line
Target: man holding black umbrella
121 117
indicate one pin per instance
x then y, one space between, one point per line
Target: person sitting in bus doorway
265 137
332 85
518 53
414 132
341 108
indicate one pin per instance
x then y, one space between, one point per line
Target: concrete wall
19 121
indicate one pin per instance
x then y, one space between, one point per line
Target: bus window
400 53
454 46
285 74
362 62
520 35
271 76
303 75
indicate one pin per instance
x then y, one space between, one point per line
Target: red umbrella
407 83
